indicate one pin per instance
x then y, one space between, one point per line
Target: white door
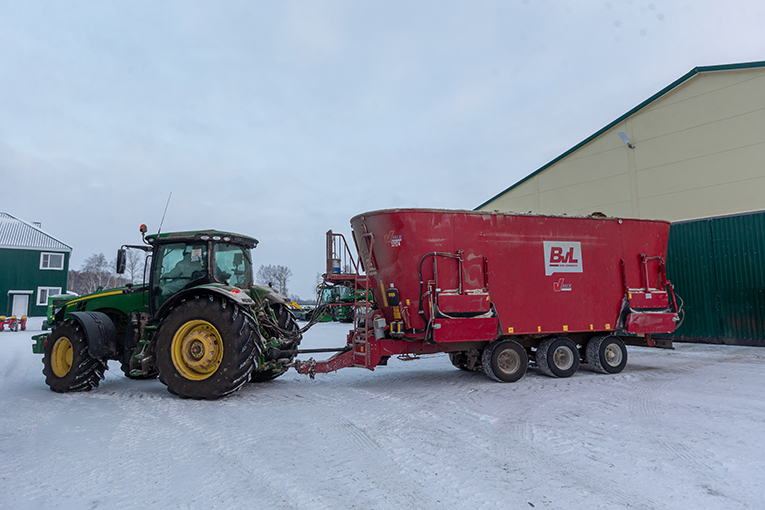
20 304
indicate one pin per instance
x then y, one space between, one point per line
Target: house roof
16 233
692 73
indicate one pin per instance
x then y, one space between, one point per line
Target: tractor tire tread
85 372
236 329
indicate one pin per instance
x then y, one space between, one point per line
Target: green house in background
33 266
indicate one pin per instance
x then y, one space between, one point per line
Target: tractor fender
238 296
99 331
270 295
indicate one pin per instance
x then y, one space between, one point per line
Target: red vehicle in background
497 291
14 323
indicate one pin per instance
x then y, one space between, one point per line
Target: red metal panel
465 330
651 322
544 274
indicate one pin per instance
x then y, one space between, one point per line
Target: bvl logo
562 257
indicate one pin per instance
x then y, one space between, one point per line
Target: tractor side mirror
238 259
121 260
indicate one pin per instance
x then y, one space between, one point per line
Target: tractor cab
183 260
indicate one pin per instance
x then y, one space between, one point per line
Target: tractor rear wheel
505 361
67 362
205 348
266 375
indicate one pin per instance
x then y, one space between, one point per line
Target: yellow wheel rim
197 350
61 358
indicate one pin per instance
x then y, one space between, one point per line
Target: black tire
505 361
266 375
557 357
67 364
606 354
459 360
287 323
205 348
286 320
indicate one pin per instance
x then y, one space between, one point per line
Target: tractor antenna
164 213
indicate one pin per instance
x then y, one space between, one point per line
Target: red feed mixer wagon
497 290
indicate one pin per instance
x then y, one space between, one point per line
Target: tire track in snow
374 476
646 406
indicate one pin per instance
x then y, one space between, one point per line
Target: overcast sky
282 120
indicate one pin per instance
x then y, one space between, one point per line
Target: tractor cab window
232 265
178 264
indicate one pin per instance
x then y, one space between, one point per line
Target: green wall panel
717 267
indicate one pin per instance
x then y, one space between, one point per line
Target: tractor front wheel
205 348
67 362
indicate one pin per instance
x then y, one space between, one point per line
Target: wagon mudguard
99 331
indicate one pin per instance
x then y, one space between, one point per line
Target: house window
43 293
52 261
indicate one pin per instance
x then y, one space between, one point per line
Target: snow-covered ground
677 429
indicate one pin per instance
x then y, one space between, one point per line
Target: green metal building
33 266
718 268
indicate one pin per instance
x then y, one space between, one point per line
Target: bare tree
134 266
274 276
96 272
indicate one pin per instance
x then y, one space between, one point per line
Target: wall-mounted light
626 140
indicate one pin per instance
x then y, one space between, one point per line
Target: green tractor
200 324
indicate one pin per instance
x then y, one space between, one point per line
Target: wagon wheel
606 354
557 357
459 360
505 361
